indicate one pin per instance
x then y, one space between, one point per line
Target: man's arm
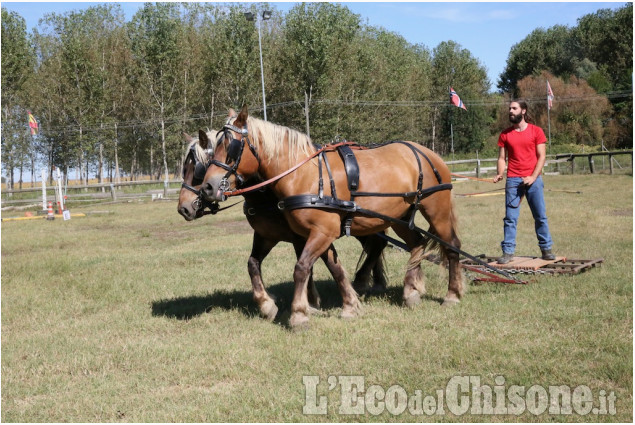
500 165
541 153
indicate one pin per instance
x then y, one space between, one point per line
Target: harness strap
327 148
350 166
312 201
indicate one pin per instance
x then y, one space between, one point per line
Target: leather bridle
234 154
199 174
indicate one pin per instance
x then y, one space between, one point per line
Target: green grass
139 316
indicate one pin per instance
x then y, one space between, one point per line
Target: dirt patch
626 212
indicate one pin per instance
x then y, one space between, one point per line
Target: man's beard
515 119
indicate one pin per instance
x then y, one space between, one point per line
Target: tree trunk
163 147
100 175
307 100
434 119
117 177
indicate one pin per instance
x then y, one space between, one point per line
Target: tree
453 66
572 121
18 62
554 50
155 33
316 35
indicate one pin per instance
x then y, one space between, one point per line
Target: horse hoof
299 321
412 300
350 312
449 302
315 311
269 310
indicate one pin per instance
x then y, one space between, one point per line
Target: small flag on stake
456 100
32 124
550 96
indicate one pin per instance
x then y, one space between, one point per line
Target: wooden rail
572 156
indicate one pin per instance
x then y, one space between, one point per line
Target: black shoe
548 255
506 258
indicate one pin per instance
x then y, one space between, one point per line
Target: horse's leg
443 221
380 279
413 286
316 245
260 249
313 295
373 247
351 306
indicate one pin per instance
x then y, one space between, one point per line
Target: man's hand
529 180
498 177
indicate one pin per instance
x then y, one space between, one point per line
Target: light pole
265 16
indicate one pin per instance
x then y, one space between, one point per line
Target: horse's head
232 164
197 160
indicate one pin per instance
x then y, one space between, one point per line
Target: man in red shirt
523 146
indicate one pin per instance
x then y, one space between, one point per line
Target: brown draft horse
269 150
269 227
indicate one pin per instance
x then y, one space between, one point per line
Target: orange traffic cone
50 215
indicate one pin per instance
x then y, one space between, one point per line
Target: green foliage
599 50
112 92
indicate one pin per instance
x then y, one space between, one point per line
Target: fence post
113 193
572 165
591 168
611 164
478 168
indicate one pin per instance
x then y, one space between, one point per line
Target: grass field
139 316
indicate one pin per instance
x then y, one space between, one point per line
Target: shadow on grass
189 307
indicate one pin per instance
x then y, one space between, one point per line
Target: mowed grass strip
139 316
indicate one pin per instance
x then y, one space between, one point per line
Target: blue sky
487 30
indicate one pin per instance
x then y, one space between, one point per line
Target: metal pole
262 73
43 189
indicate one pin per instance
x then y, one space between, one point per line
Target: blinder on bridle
199 174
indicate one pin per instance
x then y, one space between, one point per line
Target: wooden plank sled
536 265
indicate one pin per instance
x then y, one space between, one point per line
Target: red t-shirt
521 149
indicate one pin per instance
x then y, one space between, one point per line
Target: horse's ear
244 113
186 137
231 113
202 139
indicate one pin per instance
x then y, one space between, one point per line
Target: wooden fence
112 192
476 166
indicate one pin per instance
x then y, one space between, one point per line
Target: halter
234 154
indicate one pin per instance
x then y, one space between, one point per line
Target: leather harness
350 207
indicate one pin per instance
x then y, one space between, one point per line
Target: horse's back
395 164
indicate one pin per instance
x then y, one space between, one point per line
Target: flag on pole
456 100
550 96
32 124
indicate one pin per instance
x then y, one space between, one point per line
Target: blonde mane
270 138
201 155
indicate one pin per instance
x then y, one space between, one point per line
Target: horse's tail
454 227
433 245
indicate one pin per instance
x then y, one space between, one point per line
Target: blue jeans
515 190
